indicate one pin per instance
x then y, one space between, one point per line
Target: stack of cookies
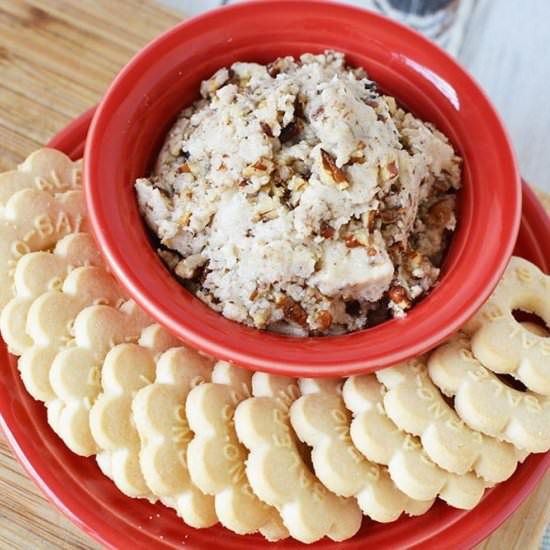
305 458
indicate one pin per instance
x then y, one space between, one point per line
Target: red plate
93 503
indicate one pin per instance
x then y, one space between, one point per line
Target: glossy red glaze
76 486
164 77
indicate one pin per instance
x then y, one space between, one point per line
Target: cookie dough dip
297 197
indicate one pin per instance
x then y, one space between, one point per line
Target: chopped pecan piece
274 68
291 131
293 311
371 220
298 108
266 128
399 296
393 168
391 215
324 319
327 231
352 242
184 220
441 213
184 168
318 112
388 172
330 166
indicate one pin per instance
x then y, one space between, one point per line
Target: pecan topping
371 220
330 166
291 131
318 112
441 213
352 242
266 128
324 319
392 168
184 168
388 172
390 216
274 68
293 311
327 231
398 295
298 108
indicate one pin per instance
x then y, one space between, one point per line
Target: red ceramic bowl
93 503
138 109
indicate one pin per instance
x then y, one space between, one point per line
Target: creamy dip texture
296 197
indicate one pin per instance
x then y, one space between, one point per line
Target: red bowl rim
319 356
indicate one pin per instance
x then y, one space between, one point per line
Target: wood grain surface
56 59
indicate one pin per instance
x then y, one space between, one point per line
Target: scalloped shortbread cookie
500 342
278 473
51 316
50 323
216 459
46 170
40 272
321 420
379 439
35 220
486 403
40 202
159 415
417 407
127 368
75 372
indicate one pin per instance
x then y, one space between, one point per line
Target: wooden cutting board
56 59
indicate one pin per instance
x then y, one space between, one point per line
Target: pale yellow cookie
127 368
216 459
37 273
50 320
486 403
381 441
35 220
417 407
75 373
500 342
45 169
320 419
50 317
160 419
277 471
535 329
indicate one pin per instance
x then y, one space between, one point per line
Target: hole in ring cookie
531 321
449 400
511 382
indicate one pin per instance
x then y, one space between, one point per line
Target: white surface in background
506 47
